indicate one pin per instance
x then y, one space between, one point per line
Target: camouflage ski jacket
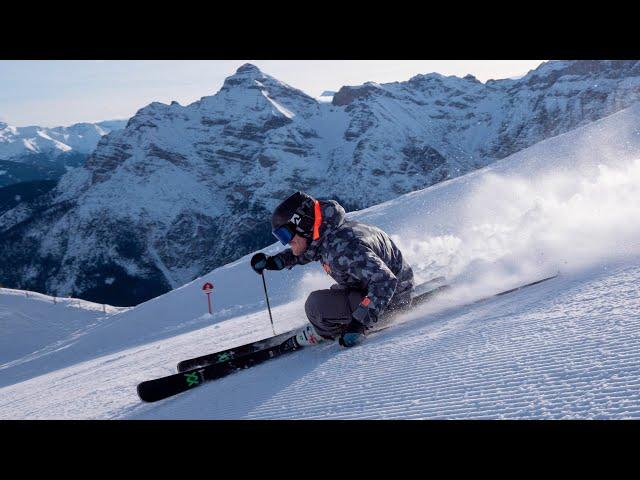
358 256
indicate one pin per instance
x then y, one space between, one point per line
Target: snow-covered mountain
41 153
566 348
18 142
183 189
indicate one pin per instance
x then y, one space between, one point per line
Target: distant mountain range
41 153
183 189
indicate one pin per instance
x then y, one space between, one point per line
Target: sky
62 92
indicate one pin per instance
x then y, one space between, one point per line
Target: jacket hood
333 215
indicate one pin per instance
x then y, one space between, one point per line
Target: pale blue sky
63 92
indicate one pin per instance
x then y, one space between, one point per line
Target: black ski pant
329 311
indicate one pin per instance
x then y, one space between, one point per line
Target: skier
373 277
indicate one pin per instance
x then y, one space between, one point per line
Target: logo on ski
224 357
193 378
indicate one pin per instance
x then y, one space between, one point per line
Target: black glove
260 262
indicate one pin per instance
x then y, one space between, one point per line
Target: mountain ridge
34 153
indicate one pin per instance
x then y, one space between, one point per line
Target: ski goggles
284 233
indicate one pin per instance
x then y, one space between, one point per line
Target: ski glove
353 334
260 262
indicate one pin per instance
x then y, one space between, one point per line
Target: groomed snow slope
33 325
563 349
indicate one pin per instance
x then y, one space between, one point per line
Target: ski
164 387
242 350
231 353
161 388
527 285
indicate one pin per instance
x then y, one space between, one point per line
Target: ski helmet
293 216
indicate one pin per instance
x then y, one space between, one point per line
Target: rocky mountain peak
248 69
245 76
347 95
550 72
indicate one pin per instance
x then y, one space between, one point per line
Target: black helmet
295 214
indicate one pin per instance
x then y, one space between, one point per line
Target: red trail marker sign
208 288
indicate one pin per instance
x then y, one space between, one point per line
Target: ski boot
307 335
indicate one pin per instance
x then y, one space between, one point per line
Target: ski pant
329 311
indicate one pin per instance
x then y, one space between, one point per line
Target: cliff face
182 190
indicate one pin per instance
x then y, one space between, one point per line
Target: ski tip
140 389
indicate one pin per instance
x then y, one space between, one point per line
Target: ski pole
264 283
